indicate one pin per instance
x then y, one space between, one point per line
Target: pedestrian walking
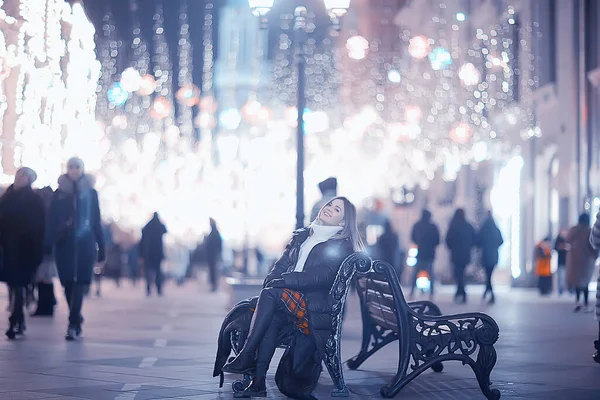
426 235
74 232
213 245
388 247
489 240
460 240
581 260
152 253
22 218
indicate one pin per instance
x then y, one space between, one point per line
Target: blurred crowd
47 234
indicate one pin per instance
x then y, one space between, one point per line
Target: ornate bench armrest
425 308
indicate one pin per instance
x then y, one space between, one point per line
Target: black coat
388 247
427 238
320 270
213 245
489 240
22 219
151 244
300 367
74 229
460 240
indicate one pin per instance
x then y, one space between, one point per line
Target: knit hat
76 162
329 184
29 173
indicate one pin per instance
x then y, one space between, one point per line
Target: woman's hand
276 283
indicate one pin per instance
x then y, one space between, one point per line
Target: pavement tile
139 348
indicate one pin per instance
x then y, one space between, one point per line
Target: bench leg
486 360
241 384
397 383
334 366
379 342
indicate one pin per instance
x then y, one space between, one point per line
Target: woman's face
74 172
333 213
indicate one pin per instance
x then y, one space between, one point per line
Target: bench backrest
381 297
355 263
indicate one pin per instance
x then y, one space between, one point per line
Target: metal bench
359 263
426 338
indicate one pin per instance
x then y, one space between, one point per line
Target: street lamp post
336 9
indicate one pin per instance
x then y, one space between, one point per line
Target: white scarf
320 234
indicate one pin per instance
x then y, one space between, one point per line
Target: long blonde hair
350 228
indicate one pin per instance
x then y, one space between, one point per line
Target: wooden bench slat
383 299
383 310
382 285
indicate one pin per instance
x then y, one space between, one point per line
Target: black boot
46 301
265 308
242 364
21 327
11 332
78 328
74 330
257 388
597 353
16 326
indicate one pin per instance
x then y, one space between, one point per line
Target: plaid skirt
296 305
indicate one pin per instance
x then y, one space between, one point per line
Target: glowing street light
336 9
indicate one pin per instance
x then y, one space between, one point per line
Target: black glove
101 254
276 283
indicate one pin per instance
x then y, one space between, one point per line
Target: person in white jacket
595 242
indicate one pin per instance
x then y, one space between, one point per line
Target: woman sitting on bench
299 281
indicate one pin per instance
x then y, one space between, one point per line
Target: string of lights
52 54
437 103
207 42
110 95
135 80
187 95
4 67
162 108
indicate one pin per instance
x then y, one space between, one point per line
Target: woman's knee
271 293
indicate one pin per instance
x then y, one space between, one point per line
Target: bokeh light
419 47
357 47
131 80
469 75
117 95
440 58
147 85
394 76
230 118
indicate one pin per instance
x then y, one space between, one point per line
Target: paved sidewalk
139 348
